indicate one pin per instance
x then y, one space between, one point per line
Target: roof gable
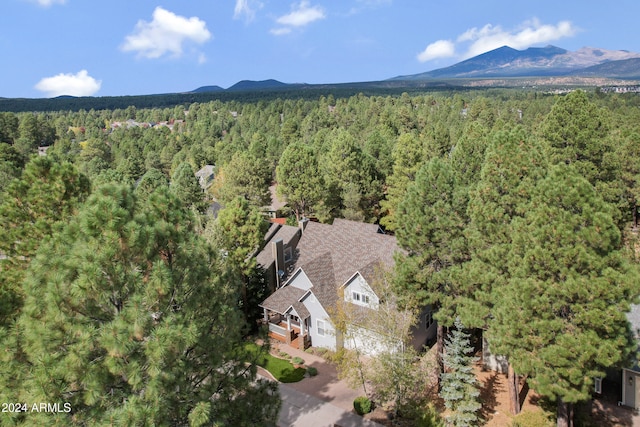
330 255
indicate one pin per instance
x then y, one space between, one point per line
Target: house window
357 296
597 385
321 327
428 320
288 254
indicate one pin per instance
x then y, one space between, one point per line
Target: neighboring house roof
205 176
206 171
633 316
276 231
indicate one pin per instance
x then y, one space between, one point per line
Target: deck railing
276 329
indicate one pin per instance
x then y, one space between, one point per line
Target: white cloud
280 31
528 34
476 41
362 5
80 84
374 3
166 33
302 14
439 49
246 9
47 3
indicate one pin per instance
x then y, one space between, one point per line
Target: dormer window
359 297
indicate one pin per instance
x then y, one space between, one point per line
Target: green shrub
428 416
533 419
297 360
362 405
321 351
312 371
284 354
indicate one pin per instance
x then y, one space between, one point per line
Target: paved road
302 410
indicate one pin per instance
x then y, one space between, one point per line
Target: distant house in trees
631 375
205 176
326 263
276 203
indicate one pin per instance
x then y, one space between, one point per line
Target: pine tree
150 181
299 178
184 185
131 319
572 285
432 221
246 176
578 134
408 155
513 164
239 230
47 194
459 384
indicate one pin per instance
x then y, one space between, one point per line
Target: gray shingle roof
633 316
276 231
283 298
331 254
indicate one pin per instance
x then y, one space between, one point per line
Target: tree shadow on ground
602 413
489 390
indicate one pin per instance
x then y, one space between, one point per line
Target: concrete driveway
320 401
303 410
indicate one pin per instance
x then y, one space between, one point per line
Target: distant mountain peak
257 85
506 61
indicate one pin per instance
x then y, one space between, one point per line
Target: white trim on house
357 291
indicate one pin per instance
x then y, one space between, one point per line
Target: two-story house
328 263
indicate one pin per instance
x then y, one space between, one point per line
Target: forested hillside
124 296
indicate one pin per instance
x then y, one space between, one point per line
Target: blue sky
132 47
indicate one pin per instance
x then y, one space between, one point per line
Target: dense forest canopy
473 183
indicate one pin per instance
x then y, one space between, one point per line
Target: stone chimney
277 251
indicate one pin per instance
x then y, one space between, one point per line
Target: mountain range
503 62
539 62
548 66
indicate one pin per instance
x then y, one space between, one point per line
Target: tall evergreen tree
299 178
184 185
48 193
11 165
432 221
246 176
460 390
8 127
513 163
239 231
352 187
408 155
572 286
578 133
130 318
150 181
